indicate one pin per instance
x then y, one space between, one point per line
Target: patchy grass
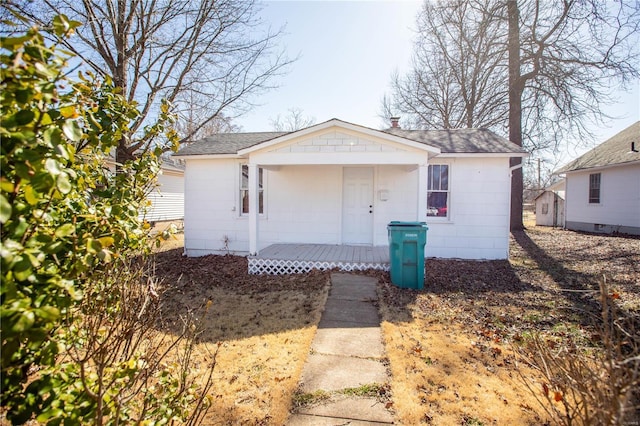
381 392
263 326
369 389
451 346
305 399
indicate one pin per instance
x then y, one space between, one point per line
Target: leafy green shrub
72 237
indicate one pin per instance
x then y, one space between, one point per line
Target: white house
603 186
338 183
167 198
550 205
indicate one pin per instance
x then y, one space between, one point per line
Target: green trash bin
406 253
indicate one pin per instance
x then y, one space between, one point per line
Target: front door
357 205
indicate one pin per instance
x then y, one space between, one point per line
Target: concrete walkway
346 353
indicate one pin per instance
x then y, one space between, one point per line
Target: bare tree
192 111
156 49
539 172
537 71
564 59
294 120
386 110
516 89
458 73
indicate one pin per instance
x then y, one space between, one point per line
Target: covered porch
299 258
337 183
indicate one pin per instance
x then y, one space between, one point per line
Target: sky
348 51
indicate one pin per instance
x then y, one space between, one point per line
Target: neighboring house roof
557 187
474 141
172 166
167 164
559 194
613 151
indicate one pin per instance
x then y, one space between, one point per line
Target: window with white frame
438 190
594 188
244 190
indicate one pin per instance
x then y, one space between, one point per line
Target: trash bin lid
400 223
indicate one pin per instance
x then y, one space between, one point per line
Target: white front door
357 205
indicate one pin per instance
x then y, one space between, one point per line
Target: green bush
69 221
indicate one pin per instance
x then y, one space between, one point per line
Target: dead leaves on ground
478 310
265 325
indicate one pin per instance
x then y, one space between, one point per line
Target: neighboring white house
550 205
341 183
167 198
603 186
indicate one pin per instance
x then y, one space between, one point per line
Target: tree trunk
123 154
516 88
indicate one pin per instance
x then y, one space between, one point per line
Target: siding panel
304 205
167 199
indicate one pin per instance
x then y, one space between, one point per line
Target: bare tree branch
294 120
157 49
573 54
458 64
563 61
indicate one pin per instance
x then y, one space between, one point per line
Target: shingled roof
457 141
227 143
613 151
460 141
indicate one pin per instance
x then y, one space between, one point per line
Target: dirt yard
263 325
450 346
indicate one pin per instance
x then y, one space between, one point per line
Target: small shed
550 205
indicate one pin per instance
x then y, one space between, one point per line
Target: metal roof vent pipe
395 122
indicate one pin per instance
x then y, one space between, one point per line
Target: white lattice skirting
281 266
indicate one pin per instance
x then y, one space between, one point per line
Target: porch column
254 207
423 170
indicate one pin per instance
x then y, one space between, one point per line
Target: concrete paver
353 287
347 352
363 409
362 342
350 311
334 372
310 419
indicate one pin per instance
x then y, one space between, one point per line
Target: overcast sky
348 51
